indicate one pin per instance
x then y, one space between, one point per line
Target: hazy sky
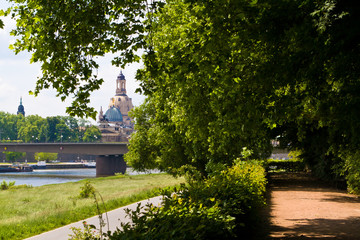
18 77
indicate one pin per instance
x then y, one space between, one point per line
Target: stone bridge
109 156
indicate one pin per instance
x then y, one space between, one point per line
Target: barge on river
16 168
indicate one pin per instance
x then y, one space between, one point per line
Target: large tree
204 101
220 75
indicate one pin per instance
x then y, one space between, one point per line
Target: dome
113 115
121 76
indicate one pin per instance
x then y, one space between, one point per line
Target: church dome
113 115
121 76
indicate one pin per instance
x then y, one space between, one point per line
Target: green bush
87 190
211 208
352 168
237 189
4 185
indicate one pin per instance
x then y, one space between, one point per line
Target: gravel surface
301 207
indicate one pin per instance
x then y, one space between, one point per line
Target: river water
52 176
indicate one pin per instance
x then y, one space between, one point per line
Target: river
52 176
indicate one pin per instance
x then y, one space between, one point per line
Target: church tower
120 85
21 108
121 101
115 124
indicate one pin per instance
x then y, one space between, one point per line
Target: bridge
109 156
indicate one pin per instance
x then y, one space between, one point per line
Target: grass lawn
25 212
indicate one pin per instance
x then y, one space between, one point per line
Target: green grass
29 211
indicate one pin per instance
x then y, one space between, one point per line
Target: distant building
116 125
21 109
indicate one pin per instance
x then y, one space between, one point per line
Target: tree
13 156
8 126
226 74
42 156
33 128
203 105
219 75
92 134
63 133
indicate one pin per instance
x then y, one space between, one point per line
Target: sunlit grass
30 211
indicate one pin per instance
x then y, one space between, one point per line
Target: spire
101 114
21 108
121 84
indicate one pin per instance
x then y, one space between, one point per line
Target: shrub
237 189
352 168
87 190
4 185
210 208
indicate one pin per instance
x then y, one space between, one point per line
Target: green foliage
22 186
4 185
32 211
213 208
87 190
67 37
237 189
352 168
13 156
43 156
294 154
84 233
34 128
204 102
92 134
219 75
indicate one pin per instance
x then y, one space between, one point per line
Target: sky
18 77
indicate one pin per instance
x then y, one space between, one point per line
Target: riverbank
29 211
62 165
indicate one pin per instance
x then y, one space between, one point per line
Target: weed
4 185
87 190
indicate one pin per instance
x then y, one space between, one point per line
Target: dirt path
300 207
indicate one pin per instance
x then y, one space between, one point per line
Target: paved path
303 208
115 217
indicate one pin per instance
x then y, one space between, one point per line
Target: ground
302 207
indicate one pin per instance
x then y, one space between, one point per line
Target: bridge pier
108 165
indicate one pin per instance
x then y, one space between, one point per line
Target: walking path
300 207
115 217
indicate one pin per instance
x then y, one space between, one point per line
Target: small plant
4 185
121 175
88 232
87 190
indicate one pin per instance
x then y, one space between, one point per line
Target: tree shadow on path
302 207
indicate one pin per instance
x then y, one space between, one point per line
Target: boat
90 164
6 169
17 168
39 165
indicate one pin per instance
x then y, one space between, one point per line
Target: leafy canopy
67 36
219 75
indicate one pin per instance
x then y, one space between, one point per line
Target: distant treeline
34 128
